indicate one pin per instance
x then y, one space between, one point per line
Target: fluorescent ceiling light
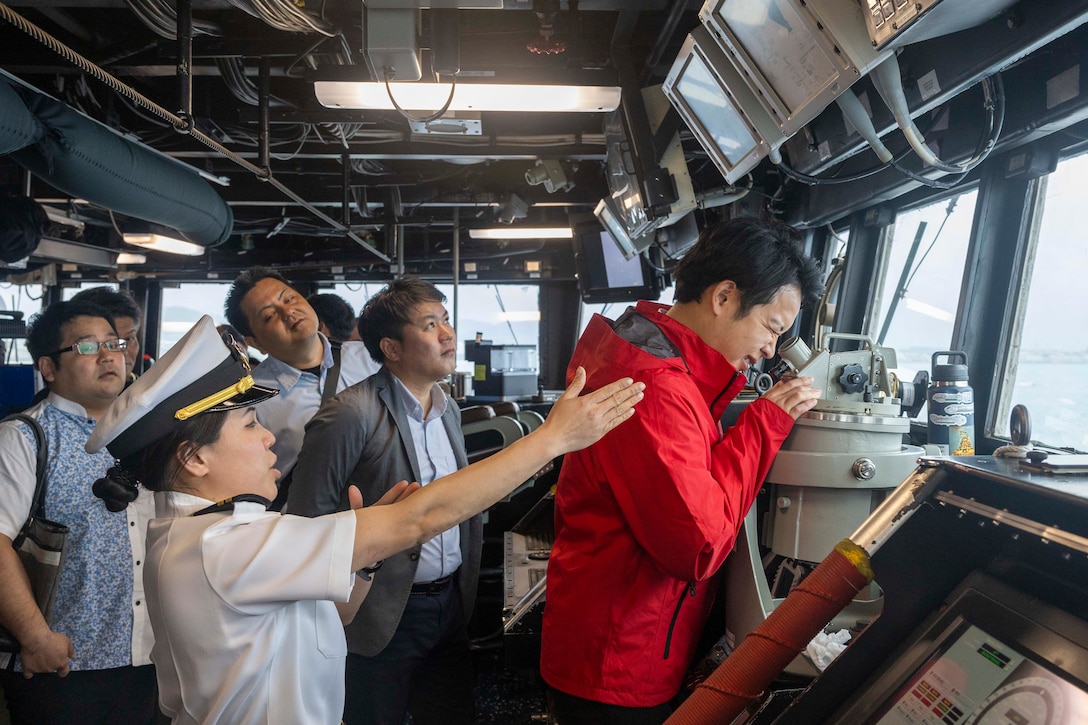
161 243
83 255
130 258
468 96
522 233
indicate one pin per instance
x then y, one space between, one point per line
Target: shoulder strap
37 504
227 504
332 377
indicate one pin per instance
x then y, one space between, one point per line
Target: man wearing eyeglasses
92 665
126 319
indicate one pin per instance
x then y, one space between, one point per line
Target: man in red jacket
645 517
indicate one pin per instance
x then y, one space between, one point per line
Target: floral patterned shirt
99 603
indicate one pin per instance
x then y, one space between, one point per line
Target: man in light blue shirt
301 363
408 645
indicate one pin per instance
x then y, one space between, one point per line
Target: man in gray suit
408 645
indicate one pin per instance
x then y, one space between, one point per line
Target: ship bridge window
1048 366
922 275
28 300
185 304
505 314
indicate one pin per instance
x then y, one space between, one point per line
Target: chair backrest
491 435
505 407
530 419
475 413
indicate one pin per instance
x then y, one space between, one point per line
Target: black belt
438 585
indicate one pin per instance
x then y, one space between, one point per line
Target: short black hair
44 332
760 256
241 286
386 313
336 313
119 303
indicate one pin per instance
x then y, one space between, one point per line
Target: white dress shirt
241 602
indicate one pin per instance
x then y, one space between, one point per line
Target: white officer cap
200 373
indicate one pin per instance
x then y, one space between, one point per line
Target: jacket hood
645 338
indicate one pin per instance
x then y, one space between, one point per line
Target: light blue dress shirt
441 555
287 414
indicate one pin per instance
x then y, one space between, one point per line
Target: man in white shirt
301 363
91 664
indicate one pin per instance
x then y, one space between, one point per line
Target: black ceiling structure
359 195
354 190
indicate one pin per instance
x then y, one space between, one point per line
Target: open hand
579 421
400 490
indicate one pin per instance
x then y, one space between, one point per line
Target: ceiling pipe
178 123
90 161
18 126
264 130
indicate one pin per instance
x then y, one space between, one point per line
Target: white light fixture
522 233
468 97
161 243
131 258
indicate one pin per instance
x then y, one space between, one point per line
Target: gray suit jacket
361 436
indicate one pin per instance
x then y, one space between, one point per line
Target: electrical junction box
391 43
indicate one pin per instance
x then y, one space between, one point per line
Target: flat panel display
716 104
981 680
611 219
714 119
991 655
782 46
624 186
604 274
797 56
714 110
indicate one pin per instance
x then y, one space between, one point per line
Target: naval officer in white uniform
242 599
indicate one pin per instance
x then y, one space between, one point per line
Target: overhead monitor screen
609 218
714 112
715 100
604 274
981 680
619 271
783 48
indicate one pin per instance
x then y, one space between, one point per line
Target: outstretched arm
574 423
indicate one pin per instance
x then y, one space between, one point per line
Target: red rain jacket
645 517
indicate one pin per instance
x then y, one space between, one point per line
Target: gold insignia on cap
236 350
216 398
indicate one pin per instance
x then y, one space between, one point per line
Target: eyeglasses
92 347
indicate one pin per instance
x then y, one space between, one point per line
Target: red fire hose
764 653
